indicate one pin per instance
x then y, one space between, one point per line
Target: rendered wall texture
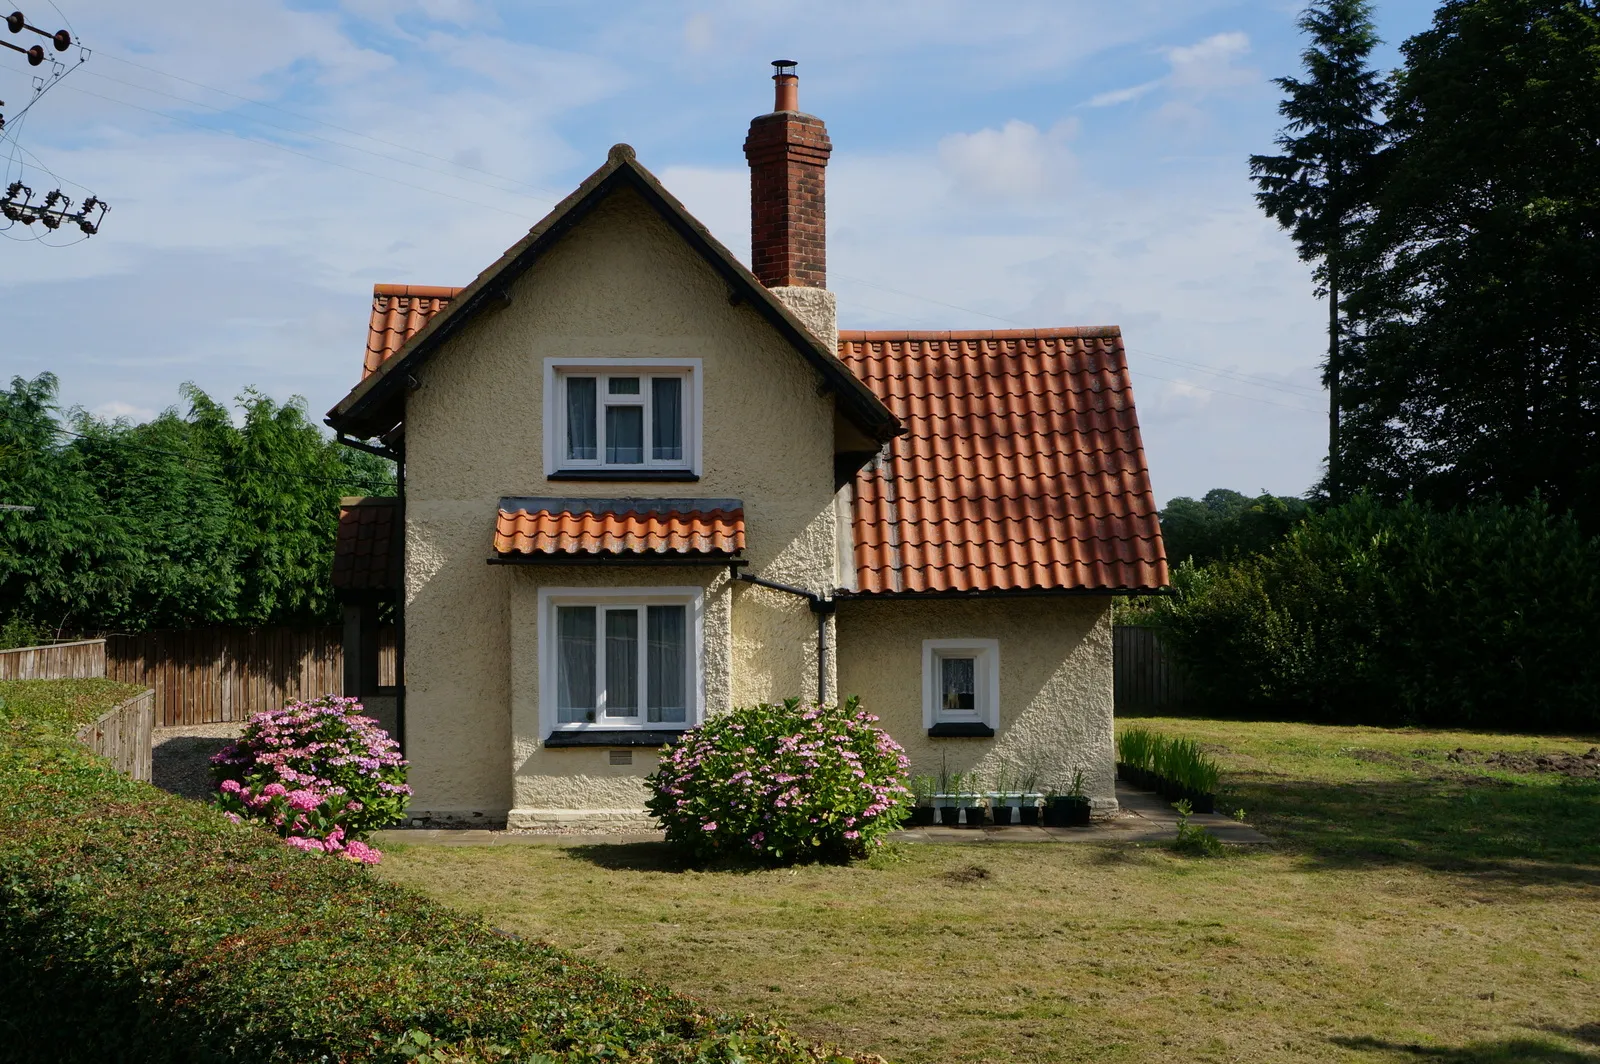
1055 682
620 284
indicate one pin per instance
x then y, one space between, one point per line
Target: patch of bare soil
970 874
1579 766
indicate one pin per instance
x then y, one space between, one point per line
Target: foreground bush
1388 615
781 783
318 773
137 926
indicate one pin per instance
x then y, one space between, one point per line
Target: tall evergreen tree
1480 374
1316 189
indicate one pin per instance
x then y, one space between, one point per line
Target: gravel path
181 758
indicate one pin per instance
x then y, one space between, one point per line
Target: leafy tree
1227 525
1318 188
1481 368
186 520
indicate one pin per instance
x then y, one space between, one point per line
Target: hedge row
136 926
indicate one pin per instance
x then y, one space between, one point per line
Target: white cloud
1128 95
1211 65
1016 161
118 409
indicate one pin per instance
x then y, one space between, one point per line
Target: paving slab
1142 817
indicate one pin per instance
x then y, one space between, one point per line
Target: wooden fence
1145 677
124 735
79 660
221 675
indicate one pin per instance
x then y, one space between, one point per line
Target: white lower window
961 682
625 658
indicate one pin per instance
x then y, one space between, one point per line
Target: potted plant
968 801
922 791
1028 784
1069 809
944 799
1006 800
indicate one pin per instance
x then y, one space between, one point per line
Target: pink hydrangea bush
781 784
318 773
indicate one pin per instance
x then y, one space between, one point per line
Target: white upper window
621 415
620 658
961 682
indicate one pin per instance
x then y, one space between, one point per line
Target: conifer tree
1316 189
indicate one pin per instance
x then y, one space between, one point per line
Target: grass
1414 909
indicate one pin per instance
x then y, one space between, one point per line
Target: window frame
985 688
556 372
602 598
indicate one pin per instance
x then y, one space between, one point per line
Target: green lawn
1415 908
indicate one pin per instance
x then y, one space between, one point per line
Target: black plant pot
1030 814
945 816
1125 772
921 816
1066 812
974 817
1201 801
1007 815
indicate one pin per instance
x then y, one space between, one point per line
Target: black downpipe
400 615
820 606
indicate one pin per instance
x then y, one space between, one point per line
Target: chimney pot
787 86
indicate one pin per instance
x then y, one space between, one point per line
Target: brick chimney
788 153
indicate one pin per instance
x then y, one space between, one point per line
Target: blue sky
1066 162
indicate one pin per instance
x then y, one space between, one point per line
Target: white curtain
666 427
668 664
581 396
574 664
622 663
624 435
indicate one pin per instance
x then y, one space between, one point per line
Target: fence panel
223 675
124 735
1145 677
80 660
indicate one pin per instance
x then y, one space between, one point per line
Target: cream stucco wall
621 284
1055 682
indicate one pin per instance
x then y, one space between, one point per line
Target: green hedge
1400 614
136 926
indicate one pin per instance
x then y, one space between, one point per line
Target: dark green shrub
137 926
1400 615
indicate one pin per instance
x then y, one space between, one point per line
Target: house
642 484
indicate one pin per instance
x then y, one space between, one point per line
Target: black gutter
362 445
615 559
1017 592
820 606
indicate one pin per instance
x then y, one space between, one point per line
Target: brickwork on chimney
788 153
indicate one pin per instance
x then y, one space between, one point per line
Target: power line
301 154
342 129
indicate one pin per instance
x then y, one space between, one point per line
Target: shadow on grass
658 857
1452 824
1506 1051
1588 1033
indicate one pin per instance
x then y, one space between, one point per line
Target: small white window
620 658
622 415
961 682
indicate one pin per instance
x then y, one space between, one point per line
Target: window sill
610 737
659 475
961 731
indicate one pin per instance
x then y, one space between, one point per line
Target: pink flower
231 787
299 842
362 853
304 801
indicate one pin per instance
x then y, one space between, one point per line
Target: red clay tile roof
366 554
1022 470
399 311
539 526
